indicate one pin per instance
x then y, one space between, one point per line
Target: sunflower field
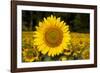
53 39
78 50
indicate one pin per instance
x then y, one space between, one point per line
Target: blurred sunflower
63 58
29 55
67 52
52 36
86 54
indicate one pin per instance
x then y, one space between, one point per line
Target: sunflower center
53 37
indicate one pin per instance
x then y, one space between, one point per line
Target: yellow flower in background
86 54
63 58
29 55
80 42
52 36
67 52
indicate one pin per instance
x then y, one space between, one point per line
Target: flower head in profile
52 36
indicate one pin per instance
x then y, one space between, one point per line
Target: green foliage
47 58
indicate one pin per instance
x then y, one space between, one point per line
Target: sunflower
63 58
52 36
86 54
67 52
29 55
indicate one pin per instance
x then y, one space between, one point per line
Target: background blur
78 22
